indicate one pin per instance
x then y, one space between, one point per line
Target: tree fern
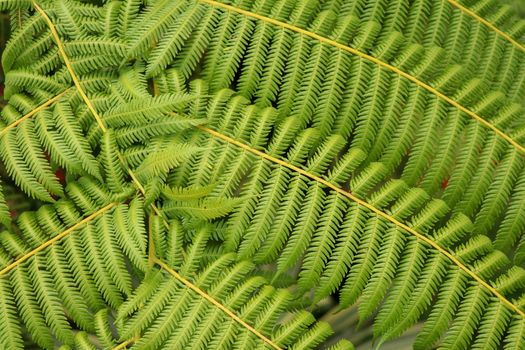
231 164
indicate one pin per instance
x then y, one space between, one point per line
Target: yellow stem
58 237
69 66
369 207
371 59
216 303
32 113
126 343
487 23
92 108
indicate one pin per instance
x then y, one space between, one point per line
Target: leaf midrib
372 59
488 24
370 207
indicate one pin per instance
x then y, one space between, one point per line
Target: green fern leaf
348 151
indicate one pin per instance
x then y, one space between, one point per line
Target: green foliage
205 172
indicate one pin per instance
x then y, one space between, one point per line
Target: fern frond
72 134
111 163
30 310
33 82
369 152
153 22
11 331
179 323
19 39
164 156
20 171
424 216
43 299
168 48
128 135
140 111
207 208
